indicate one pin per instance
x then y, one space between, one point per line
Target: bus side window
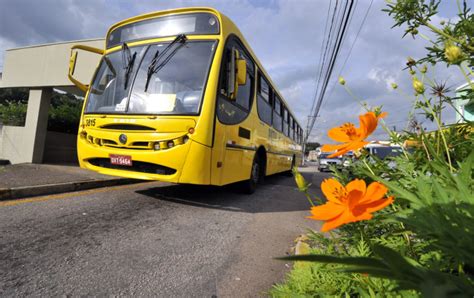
264 107
233 112
290 123
285 121
277 122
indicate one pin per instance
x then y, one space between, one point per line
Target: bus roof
227 27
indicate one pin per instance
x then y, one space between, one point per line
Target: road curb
56 188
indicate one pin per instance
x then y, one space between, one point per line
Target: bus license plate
122 160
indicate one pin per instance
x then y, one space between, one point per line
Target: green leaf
356 261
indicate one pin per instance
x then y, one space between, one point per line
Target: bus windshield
176 89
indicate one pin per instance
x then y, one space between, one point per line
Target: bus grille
138 166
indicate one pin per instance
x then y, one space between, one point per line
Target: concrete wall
47 65
15 144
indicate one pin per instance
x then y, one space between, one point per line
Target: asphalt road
152 239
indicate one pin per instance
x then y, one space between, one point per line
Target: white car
324 162
384 151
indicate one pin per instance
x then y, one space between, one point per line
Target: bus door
234 128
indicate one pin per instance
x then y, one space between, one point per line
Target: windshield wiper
127 61
154 67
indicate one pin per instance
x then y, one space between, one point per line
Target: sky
287 37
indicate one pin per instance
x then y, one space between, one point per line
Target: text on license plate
123 160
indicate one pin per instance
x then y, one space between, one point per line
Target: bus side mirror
237 74
241 72
73 61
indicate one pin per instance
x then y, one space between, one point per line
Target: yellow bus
179 96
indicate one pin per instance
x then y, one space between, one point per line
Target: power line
350 49
320 63
357 35
323 62
337 46
326 41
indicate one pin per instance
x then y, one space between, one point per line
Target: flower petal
345 217
330 148
327 211
330 188
353 198
338 135
361 216
349 147
356 184
368 123
373 206
375 191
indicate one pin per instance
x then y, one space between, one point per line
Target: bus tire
249 186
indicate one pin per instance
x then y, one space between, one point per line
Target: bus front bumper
185 163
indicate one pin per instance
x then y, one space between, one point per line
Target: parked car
384 151
324 162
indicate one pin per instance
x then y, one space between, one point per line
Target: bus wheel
249 186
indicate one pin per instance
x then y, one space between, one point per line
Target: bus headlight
156 146
170 144
185 139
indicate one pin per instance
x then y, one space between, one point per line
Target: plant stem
440 32
368 167
438 123
309 198
469 81
424 147
359 100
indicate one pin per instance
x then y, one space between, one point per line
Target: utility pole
305 140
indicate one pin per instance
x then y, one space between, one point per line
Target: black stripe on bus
278 153
235 146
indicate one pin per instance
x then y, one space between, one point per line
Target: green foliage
64 112
13 95
329 278
13 113
311 146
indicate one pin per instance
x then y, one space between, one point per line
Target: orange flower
354 202
351 137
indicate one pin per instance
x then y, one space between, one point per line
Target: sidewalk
27 180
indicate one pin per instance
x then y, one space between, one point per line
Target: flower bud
342 81
394 86
442 23
418 86
423 69
453 53
412 72
300 182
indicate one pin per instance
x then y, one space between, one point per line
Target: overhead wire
321 99
334 55
323 61
350 50
326 41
